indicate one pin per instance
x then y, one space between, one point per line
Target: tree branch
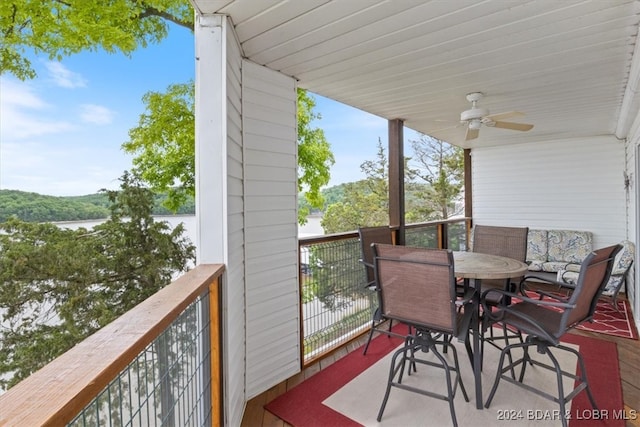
152 11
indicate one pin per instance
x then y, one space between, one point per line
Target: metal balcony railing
158 364
336 305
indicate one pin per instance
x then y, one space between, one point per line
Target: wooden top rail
60 390
354 234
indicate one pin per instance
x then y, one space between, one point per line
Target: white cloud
64 77
96 114
23 112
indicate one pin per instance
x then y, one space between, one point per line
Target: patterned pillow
569 246
624 258
614 282
537 247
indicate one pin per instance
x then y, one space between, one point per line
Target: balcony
160 363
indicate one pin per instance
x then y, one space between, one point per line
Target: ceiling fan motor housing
473 113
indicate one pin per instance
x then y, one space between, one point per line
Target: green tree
164 146
365 202
58 286
163 143
441 166
314 155
61 28
163 139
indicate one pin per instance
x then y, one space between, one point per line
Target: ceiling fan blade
471 134
502 116
512 126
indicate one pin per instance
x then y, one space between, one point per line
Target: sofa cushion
536 247
570 277
535 265
569 246
574 267
553 266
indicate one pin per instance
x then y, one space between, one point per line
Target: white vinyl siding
572 184
632 169
234 307
271 248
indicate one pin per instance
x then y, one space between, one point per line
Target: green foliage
433 185
441 166
33 207
314 156
366 202
164 146
61 28
58 286
163 143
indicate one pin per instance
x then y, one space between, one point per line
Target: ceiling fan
478 116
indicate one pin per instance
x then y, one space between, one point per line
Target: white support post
210 139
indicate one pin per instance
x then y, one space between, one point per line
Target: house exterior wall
246 205
575 184
271 246
572 184
235 298
632 168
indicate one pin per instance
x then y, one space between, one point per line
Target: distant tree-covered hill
34 207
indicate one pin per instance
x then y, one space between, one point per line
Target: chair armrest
533 323
542 294
373 286
523 285
470 301
466 298
366 264
561 302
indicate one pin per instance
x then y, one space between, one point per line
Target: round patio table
478 266
474 265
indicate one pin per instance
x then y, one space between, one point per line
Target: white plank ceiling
565 64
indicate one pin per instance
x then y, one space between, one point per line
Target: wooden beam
396 177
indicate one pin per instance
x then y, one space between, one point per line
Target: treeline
34 207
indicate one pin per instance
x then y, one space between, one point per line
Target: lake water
311 228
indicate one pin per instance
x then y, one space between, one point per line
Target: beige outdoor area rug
350 392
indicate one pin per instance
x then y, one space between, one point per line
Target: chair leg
392 373
373 328
583 374
561 399
428 344
501 370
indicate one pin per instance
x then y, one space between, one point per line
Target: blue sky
61 133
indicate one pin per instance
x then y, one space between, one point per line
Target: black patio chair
368 236
418 287
508 242
545 318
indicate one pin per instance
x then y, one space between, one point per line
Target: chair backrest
509 242
369 235
594 275
417 286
